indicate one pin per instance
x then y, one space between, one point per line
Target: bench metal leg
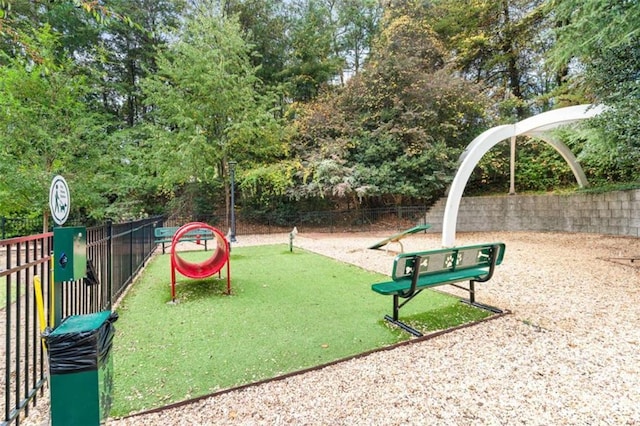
485 307
472 300
396 309
403 326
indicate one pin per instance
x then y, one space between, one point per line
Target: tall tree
499 44
358 25
264 25
206 108
48 130
312 61
587 26
75 21
342 29
396 130
602 38
126 54
612 77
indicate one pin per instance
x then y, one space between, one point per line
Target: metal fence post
109 263
131 225
145 229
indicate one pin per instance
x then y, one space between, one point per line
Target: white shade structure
537 126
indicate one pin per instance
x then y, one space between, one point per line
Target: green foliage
587 26
305 45
313 61
359 24
196 199
491 175
202 96
603 35
539 167
264 25
604 188
141 102
100 12
262 183
125 54
49 130
602 157
20 224
396 129
613 74
75 21
500 45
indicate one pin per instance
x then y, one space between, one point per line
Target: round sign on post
59 200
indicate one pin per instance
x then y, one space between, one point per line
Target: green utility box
80 369
70 252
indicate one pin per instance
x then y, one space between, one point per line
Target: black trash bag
92 275
80 351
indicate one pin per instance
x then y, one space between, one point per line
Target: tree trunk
45 221
513 72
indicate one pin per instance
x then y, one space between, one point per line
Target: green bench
164 235
414 272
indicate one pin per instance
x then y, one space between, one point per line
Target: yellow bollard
37 288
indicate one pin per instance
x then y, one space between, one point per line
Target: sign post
59 200
69 256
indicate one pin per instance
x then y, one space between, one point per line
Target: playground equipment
538 126
397 237
206 268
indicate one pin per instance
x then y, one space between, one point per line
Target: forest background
142 105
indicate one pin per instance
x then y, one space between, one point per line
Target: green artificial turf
287 311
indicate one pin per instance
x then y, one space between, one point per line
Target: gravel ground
568 353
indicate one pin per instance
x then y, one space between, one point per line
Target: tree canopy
142 104
48 128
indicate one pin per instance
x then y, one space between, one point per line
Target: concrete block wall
614 213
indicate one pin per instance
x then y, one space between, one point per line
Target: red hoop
202 269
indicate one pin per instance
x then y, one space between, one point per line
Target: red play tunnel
206 268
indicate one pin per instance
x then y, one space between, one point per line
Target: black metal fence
115 253
22 259
354 220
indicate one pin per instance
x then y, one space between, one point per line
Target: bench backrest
199 233
446 260
165 232
169 232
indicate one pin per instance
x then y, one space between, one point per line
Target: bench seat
401 286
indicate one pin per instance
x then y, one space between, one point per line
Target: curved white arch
568 156
535 126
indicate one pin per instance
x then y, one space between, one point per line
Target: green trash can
80 369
